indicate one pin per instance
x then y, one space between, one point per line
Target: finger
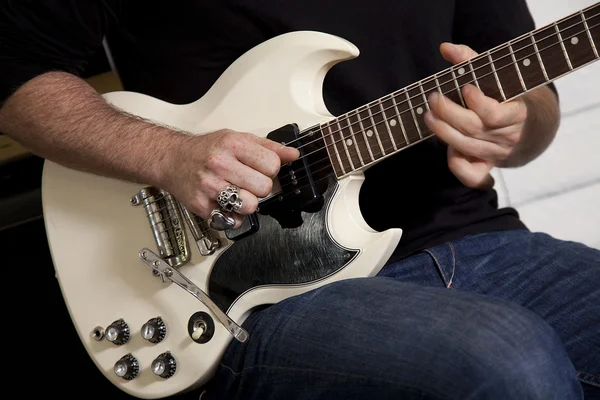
490 111
259 158
247 178
456 53
286 153
471 172
461 119
463 143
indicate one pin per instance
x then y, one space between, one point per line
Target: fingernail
434 98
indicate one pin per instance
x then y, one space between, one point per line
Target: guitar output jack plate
201 327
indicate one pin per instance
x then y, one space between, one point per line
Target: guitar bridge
165 218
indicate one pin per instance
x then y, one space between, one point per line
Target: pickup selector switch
164 365
154 330
117 332
127 367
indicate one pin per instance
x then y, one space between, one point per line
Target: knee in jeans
519 353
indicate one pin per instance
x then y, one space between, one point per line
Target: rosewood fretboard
387 125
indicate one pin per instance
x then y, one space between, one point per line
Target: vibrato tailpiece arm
164 270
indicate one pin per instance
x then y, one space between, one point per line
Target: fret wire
336 150
589 34
539 56
400 119
355 141
534 45
375 130
512 53
387 125
437 83
562 45
412 111
517 40
341 132
458 88
472 73
362 128
496 76
424 97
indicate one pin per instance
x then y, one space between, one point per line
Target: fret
460 96
465 77
387 124
562 46
355 126
416 109
589 34
362 117
424 97
332 151
407 142
507 73
473 74
361 146
408 121
551 52
516 64
592 17
376 127
496 76
528 63
539 56
576 41
485 75
428 87
350 143
450 87
343 140
390 114
385 134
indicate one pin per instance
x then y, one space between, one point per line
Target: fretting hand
479 137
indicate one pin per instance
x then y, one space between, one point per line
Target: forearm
61 118
541 125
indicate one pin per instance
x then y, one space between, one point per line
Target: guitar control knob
154 330
117 332
127 367
164 365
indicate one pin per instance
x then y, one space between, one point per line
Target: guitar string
323 136
392 97
410 132
329 166
438 86
450 69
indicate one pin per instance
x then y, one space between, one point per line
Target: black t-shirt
175 50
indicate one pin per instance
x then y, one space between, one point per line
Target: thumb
456 53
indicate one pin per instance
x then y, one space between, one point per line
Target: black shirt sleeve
485 24
39 36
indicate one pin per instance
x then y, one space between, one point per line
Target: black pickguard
277 256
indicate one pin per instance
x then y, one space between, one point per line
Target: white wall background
559 192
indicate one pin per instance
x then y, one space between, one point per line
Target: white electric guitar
156 295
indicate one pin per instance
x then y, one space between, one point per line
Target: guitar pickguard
277 256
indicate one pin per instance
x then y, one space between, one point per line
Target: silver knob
154 330
164 365
127 367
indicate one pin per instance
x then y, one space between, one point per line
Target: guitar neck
383 127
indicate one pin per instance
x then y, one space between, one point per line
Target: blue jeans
503 315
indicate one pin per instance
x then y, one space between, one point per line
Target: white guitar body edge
94 233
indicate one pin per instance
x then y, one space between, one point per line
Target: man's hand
479 137
205 164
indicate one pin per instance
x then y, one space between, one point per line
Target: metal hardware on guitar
164 270
206 242
164 214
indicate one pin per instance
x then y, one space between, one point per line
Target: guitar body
95 234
